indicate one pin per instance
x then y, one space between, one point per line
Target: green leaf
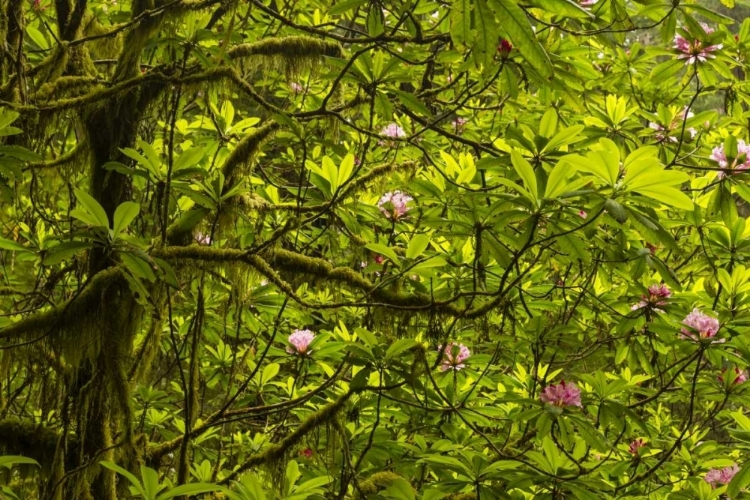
417 245
520 33
134 481
11 460
398 347
548 125
124 215
412 102
189 158
400 489
269 372
345 6
64 251
525 172
383 250
460 21
485 42
190 489
557 180
12 246
669 196
93 208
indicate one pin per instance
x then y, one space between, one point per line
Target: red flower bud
504 48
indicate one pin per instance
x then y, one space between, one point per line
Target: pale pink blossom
695 51
393 131
582 214
203 239
635 445
587 3
719 477
296 88
459 124
394 205
562 394
739 376
706 326
454 356
655 298
741 162
300 340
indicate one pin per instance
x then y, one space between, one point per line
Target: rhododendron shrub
374 250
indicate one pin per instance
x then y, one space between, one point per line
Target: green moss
292 54
377 482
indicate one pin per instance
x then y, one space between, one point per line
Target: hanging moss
375 483
29 439
292 54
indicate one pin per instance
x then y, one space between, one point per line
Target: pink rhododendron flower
300 340
454 356
695 51
719 477
742 162
582 214
705 325
635 445
587 3
379 259
296 88
562 394
391 130
654 299
394 205
739 376
203 239
459 124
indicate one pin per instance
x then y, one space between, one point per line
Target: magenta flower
742 162
739 376
718 477
296 88
504 48
636 445
695 51
454 356
654 299
582 214
705 325
393 131
394 205
379 259
300 340
561 394
307 453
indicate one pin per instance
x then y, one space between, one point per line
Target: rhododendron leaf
383 250
460 21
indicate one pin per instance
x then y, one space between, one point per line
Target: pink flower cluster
739 376
587 3
654 299
393 131
300 340
459 124
705 325
636 445
718 477
743 153
695 51
394 205
562 394
675 126
296 88
454 356
203 239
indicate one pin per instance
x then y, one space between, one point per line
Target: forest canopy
374 249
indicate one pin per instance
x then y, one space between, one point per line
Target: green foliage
353 249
